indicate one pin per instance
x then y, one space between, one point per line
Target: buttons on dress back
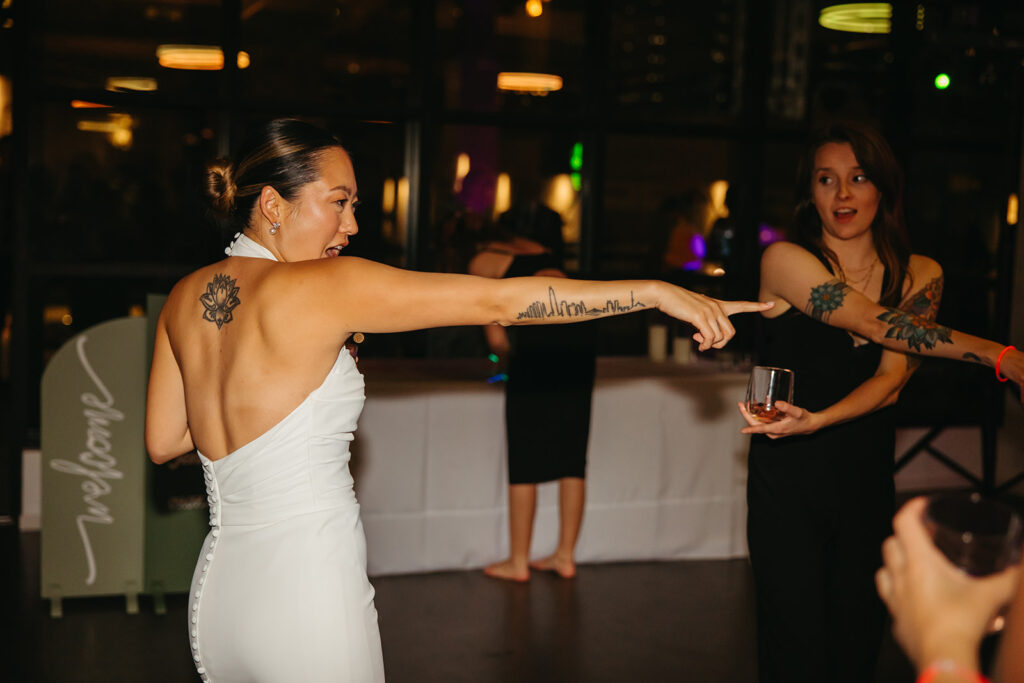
211 497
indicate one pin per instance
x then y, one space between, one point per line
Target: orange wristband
1000 360
948 666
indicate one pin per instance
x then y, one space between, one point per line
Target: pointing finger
734 307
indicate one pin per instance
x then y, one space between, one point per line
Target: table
666 465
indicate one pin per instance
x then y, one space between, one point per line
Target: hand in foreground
709 316
938 611
796 421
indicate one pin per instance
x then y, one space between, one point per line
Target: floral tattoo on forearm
220 299
923 303
918 332
563 308
826 298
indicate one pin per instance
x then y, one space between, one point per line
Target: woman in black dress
820 500
547 395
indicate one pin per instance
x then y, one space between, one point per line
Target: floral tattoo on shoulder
220 299
826 298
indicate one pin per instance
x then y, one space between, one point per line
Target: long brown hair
888 230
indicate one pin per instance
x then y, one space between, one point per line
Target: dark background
665 97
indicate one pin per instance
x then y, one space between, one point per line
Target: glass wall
483 171
120 184
481 45
676 61
645 124
113 46
348 55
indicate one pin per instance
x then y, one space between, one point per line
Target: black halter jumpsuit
819 507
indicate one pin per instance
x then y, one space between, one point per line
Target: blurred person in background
547 394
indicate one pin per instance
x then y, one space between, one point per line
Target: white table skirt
666 471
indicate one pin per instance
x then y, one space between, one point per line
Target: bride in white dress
250 368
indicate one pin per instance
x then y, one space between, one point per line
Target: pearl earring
274 227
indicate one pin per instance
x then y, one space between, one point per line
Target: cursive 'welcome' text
95 464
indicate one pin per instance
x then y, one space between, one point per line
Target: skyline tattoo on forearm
826 298
220 299
563 308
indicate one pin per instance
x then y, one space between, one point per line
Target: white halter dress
280 593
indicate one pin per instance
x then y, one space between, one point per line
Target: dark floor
650 622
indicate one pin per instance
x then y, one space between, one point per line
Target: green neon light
576 161
577 180
942 81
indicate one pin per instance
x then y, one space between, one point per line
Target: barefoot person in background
852 306
249 368
547 394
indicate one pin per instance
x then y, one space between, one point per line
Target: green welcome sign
94 459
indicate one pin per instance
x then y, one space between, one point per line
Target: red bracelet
1000 360
948 666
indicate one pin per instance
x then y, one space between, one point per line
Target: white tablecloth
666 469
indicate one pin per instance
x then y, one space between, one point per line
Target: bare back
252 358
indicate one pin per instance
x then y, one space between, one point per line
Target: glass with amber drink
766 386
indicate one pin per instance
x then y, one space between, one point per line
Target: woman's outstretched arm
880 390
370 297
792 275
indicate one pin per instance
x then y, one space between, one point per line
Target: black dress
548 393
819 507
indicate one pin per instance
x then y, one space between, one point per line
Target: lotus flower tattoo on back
220 298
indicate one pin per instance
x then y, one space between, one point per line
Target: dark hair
534 221
879 163
283 153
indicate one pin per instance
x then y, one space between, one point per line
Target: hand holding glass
768 385
979 536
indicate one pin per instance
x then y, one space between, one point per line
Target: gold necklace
863 280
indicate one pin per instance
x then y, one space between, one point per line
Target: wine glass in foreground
978 535
768 385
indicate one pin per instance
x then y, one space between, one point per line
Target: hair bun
220 185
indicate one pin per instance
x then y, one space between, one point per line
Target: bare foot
509 571
563 566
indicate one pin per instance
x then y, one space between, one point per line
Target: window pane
82 44
661 199
778 201
378 155
353 54
652 184
120 185
484 171
676 60
478 40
